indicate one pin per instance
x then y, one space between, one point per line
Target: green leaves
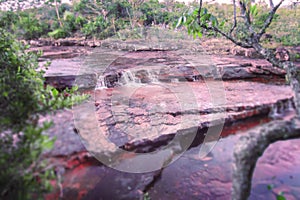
54 92
95 27
58 33
270 186
195 24
24 98
280 197
253 10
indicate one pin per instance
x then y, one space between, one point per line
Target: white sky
286 2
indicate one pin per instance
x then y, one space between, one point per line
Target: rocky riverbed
144 100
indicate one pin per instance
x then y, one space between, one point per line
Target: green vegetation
279 196
90 19
284 29
24 98
103 19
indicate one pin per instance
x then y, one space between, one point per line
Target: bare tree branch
245 12
199 12
271 4
268 55
216 29
234 17
228 36
251 146
130 19
57 14
269 19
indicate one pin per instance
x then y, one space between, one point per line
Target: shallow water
128 110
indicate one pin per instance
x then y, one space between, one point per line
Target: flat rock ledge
112 67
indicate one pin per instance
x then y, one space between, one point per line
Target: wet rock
66 73
65 42
80 70
142 120
146 117
232 67
147 67
205 179
143 75
112 80
232 71
59 52
148 45
67 141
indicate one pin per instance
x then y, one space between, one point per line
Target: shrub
8 20
23 97
58 33
95 27
29 27
69 21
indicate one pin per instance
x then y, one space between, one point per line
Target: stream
165 123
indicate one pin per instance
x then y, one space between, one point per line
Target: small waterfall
175 80
127 78
139 76
279 109
274 113
153 77
290 105
101 83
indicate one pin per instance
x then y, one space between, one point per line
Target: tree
23 97
56 2
252 145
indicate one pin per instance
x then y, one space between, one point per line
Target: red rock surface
145 117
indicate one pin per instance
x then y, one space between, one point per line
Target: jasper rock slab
147 67
234 67
113 68
146 116
81 71
189 177
133 116
68 141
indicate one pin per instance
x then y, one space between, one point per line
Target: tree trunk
251 146
57 13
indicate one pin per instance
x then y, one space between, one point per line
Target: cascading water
128 78
101 83
138 76
290 105
153 76
281 108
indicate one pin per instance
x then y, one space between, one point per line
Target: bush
58 33
95 28
8 20
69 21
23 97
29 27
